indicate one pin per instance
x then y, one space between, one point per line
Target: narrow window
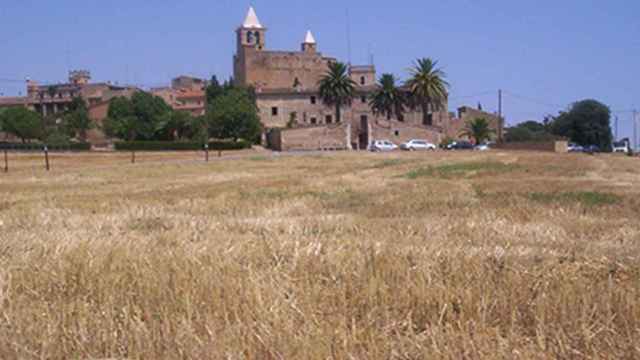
397 133
313 100
274 111
362 80
363 99
313 120
328 119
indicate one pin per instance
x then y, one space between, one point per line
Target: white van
621 146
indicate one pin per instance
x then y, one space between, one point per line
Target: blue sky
544 54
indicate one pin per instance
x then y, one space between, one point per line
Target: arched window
257 38
249 37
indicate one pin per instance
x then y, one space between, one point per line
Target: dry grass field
501 255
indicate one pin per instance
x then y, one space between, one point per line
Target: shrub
71 146
180 146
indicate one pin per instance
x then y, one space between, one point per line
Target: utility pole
616 139
501 120
635 131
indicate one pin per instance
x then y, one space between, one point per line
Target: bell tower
251 34
251 40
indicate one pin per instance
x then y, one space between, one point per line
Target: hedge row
180 146
40 146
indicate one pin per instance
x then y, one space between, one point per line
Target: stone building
56 98
185 94
49 100
290 108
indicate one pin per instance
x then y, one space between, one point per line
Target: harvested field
321 256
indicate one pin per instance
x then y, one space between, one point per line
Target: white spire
251 21
309 39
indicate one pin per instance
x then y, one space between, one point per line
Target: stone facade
286 84
456 125
185 94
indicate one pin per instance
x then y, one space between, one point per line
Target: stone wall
323 137
549 146
280 69
399 132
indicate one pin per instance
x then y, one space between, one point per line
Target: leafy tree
234 115
149 110
125 128
22 123
388 99
529 131
428 88
120 107
588 122
336 87
137 118
174 125
214 89
197 129
76 121
478 129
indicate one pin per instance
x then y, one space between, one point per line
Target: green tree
22 123
588 122
213 90
76 121
478 129
388 99
174 125
428 88
336 87
137 118
234 115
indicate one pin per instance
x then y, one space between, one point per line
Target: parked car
591 149
482 147
382 145
621 147
417 144
460 145
573 147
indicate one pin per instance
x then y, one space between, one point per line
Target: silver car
417 144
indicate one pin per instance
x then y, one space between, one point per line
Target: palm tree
388 99
478 129
427 87
336 87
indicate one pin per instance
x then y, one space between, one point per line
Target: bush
72 146
180 146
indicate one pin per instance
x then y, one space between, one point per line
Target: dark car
591 149
460 145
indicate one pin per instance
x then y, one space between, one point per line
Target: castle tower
79 77
309 45
251 34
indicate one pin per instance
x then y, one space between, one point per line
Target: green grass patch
462 169
587 198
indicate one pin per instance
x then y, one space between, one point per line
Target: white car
383 145
621 147
482 147
416 144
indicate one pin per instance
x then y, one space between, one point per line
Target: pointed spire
251 21
309 39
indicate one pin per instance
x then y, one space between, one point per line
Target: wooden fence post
46 157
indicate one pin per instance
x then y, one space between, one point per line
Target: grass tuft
586 198
462 170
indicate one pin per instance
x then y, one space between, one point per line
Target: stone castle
286 84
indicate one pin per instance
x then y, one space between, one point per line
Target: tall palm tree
478 129
388 99
336 87
427 87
